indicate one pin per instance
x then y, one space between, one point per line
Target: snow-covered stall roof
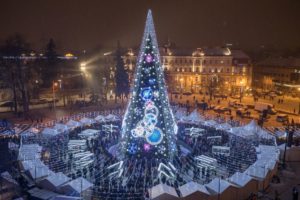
112 117
50 132
100 118
184 151
195 117
191 188
87 121
89 133
29 164
76 186
257 172
29 152
180 113
42 194
53 181
63 197
210 123
6 175
39 172
267 156
224 126
218 185
162 191
240 179
61 127
73 124
251 130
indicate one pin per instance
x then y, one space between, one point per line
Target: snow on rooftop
192 187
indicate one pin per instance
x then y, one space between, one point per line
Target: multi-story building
272 73
198 70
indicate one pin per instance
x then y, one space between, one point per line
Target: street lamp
181 84
242 83
54 86
83 70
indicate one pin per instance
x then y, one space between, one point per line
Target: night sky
86 24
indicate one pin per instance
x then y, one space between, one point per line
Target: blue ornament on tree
156 137
146 94
152 81
132 149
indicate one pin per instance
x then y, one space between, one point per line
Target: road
47 113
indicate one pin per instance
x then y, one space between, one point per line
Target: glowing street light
83 66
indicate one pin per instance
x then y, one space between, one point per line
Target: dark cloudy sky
85 24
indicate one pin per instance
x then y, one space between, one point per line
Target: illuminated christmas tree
149 128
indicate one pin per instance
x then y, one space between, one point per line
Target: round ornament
155 137
146 94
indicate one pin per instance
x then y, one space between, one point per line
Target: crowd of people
140 174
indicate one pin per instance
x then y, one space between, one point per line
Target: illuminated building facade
281 73
198 70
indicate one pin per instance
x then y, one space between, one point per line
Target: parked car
7 104
272 111
282 118
236 97
187 93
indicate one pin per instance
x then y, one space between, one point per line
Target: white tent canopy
180 113
87 121
210 123
50 132
224 126
100 118
87 133
112 117
251 130
195 117
61 127
73 124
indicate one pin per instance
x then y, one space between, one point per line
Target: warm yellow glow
69 55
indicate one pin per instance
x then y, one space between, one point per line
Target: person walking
295 193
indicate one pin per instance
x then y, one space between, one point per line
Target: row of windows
204 70
187 61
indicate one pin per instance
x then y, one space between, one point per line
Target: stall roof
29 152
42 194
78 185
162 189
87 121
39 172
50 132
73 124
192 187
55 179
218 185
29 164
257 172
240 179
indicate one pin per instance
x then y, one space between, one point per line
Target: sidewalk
289 178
